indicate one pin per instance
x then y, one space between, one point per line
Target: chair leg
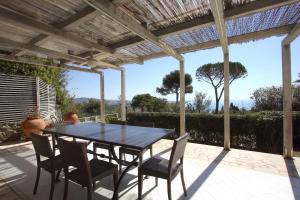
169 189
183 184
115 178
94 185
66 188
151 151
89 193
156 181
38 172
109 154
120 165
94 150
140 185
57 175
52 185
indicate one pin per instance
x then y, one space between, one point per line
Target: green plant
252 131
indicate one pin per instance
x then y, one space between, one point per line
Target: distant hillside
108 101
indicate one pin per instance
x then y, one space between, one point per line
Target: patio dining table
136 137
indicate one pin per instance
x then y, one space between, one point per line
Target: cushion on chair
46 164
158 167
99 169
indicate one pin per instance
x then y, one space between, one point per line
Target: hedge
254 131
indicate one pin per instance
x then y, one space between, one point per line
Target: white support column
287 102
123 95
102 101
226 103
182 97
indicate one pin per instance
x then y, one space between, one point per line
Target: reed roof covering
77 33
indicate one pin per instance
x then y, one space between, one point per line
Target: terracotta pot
33 126
71 117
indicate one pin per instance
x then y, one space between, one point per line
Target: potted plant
71 117
33 123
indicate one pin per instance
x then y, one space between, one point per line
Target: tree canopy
271 98
146 102
213 73
171 84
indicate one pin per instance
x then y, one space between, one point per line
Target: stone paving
210 173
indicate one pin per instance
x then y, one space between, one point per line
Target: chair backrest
144 124
41 145
75 154
178 150
119 122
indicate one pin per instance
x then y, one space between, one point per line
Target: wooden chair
99 145
84 172
135 152
163 168
51 164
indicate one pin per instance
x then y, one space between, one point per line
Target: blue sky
261 58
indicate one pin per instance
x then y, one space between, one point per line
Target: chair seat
46 164
99 169
158 167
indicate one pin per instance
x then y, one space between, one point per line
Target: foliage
171 84
214 75
253 131
298 80
234 108
271 98
53 76
201 103
146 102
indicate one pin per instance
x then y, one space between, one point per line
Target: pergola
94 35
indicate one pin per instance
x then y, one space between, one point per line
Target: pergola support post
182 98
102 101
287 102
123 95
226 103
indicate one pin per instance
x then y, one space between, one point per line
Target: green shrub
256 131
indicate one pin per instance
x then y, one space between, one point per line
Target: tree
53 76
171 84
146 102
298 80
214 75
267 98
271 98
201 102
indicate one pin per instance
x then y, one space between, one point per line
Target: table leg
118 160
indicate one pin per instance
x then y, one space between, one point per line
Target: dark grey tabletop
120 135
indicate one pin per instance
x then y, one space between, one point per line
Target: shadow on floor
23 171
293 176
192 189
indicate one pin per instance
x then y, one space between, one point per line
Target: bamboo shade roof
184 25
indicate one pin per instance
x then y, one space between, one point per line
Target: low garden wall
261 131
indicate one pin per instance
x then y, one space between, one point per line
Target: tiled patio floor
210 173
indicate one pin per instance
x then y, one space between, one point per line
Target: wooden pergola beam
120 2
110 10
20 21
36 49
73 21
295 32
52 53
217 9
197 23
46 63
231 40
